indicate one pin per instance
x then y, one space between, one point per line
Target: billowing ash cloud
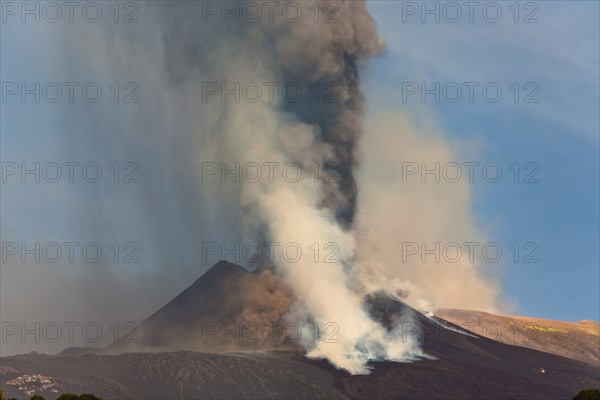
319 129
317 59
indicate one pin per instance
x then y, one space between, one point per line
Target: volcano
227 308
182 353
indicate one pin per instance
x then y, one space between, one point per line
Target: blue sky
559 133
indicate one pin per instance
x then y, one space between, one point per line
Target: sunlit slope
577 340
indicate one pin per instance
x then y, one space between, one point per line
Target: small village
30 384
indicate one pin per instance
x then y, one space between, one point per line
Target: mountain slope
460 364
580 340
218 312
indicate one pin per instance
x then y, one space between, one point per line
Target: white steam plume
307 133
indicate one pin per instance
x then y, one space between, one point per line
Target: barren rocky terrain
173 359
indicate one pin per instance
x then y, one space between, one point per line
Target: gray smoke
320 59
319 129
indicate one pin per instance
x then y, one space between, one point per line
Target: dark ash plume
321 58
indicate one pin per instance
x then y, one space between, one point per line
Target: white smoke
307 134
292 213
393 210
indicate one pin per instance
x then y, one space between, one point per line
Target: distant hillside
577 340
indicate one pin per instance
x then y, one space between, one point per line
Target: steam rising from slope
306 132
